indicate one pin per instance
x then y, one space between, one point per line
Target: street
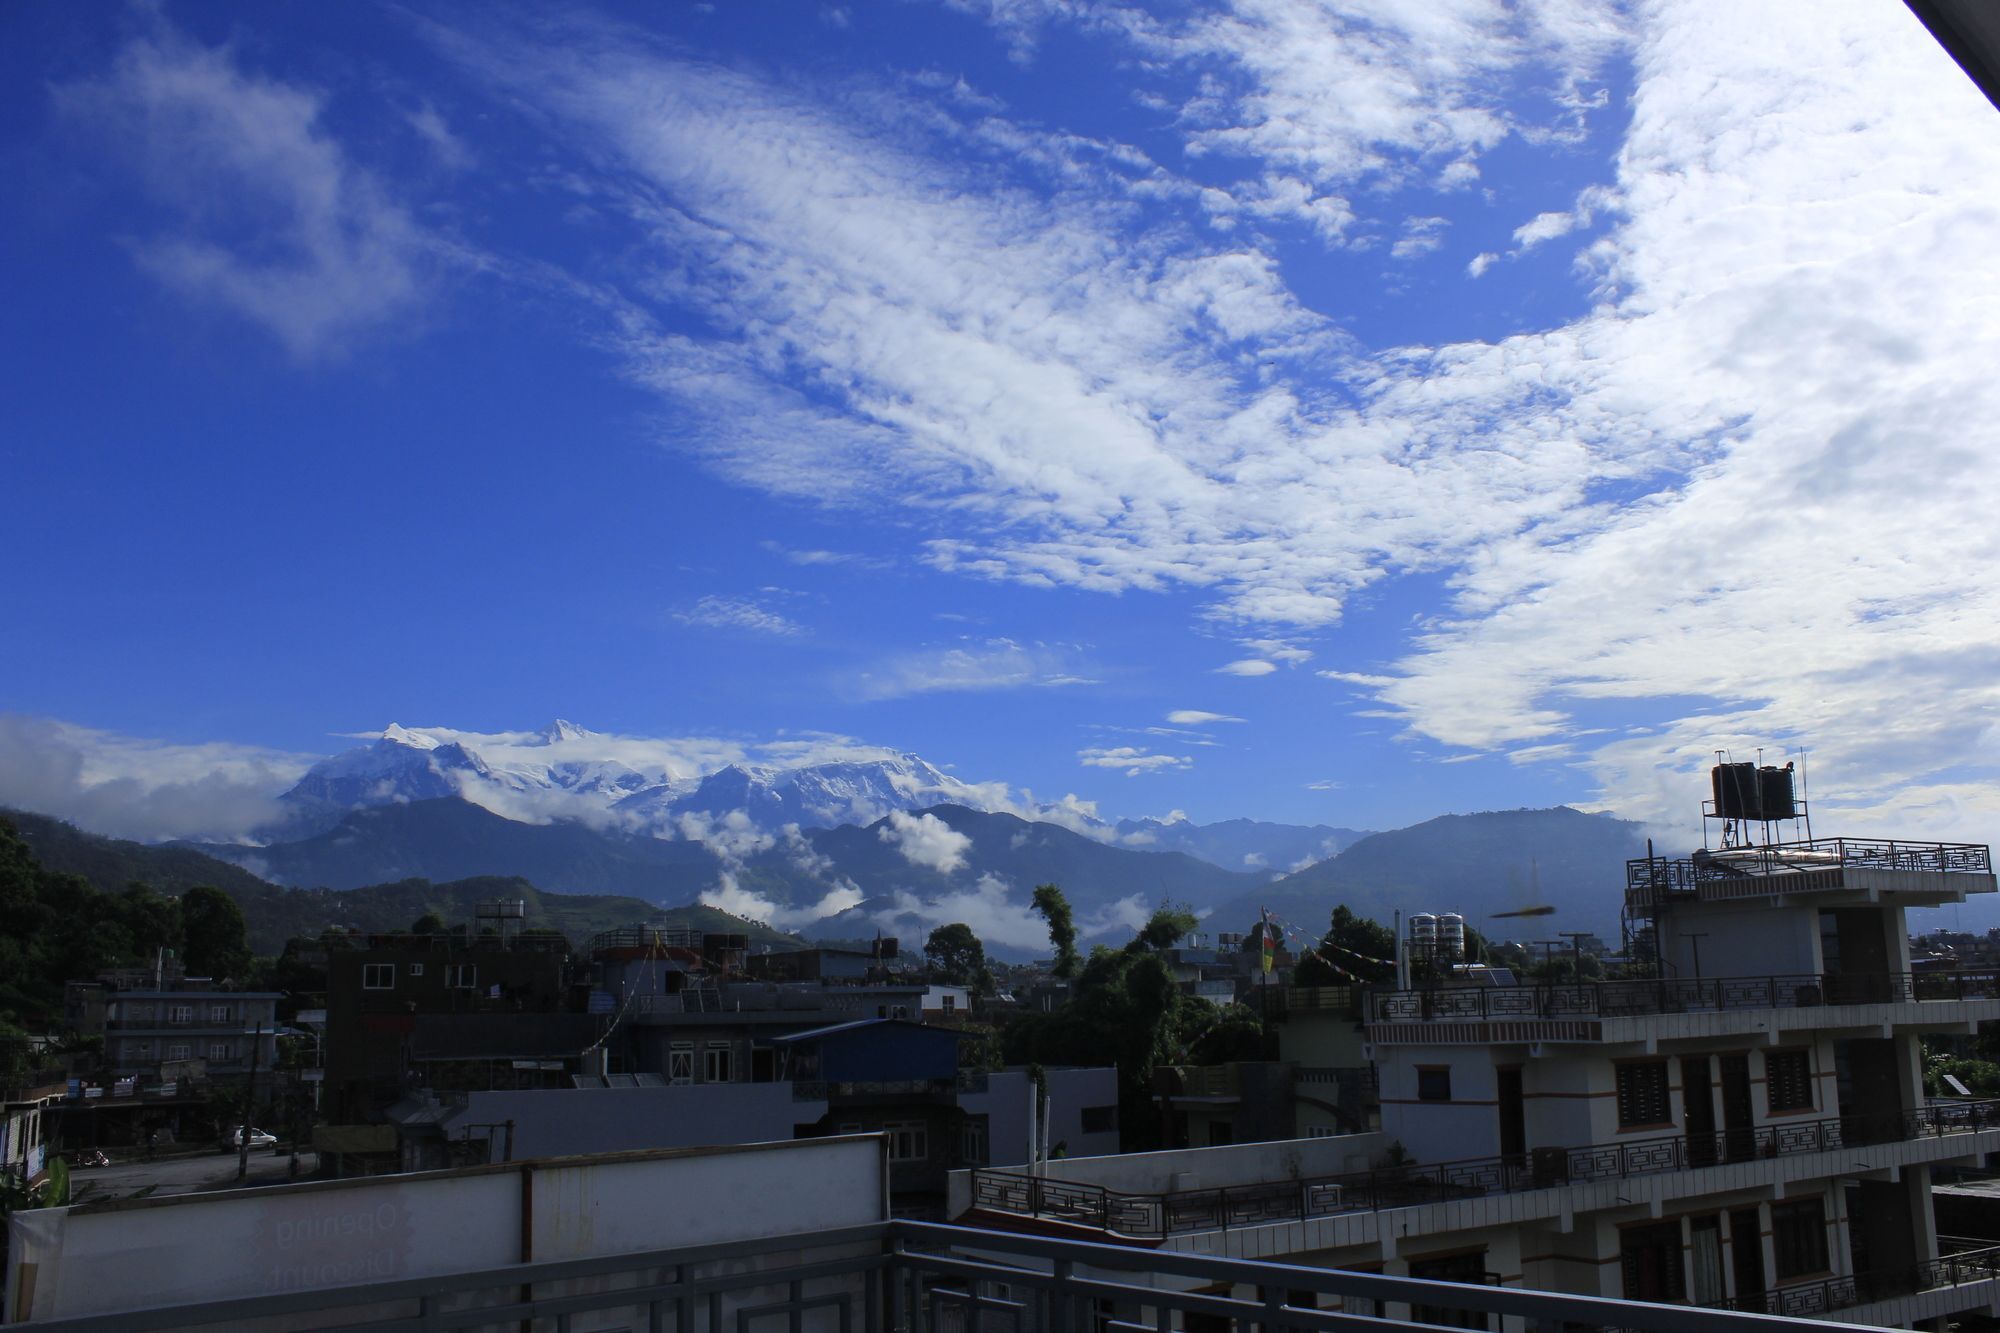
191 1174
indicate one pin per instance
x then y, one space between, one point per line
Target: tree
955 954
216 934
1054 909
430 923
1354 948
1167 925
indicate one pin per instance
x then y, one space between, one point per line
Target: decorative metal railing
1679 995
1651 881
1808 1300
1161 1215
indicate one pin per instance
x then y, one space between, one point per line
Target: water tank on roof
1745 791
1451 935
1736 791
1774 790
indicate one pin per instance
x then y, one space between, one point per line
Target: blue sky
1476 405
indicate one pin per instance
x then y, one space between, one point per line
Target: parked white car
233 1140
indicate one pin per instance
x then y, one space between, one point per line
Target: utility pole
249 1101
1575 938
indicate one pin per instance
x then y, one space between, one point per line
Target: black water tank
1737 791
1774 791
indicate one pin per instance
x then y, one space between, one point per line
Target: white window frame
372 975
177 1051
717 1063
416 969
461 976
680 1064
219 1050
218 1013
909 1140
948 1002
975 1142
180 1013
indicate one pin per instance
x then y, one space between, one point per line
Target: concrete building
1747 1130
898 1078
160 1025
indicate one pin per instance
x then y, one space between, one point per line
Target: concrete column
1923 1222
1909 1072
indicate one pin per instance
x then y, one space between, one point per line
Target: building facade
1746 1128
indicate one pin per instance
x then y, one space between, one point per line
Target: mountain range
846 842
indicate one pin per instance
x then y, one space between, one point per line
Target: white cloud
1249 666
1480 262
431 127
1195 717
925 840
275 222
735 613
1131 760
1420 237
994 664
1801 342
130 787
1545 227
730 896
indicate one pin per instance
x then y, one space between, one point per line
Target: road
183 1175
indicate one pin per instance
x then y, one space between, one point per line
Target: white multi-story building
1747 1128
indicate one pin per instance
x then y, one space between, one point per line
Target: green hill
276 914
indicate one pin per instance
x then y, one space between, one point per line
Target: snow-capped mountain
814 795
402 766
568 772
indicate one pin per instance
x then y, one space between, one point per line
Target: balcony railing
1651 881
910 1277
1809 1300
1161 1215
1679 995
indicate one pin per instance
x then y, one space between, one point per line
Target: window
378 976
950 1003
218 1013
680 1064
1642 1095
1433 1083
1450 1268
461 976
715 1063
181 1013
1100 1119
909 1141
1650 1257
1798 1238
1322 1132
1788 1082
416 969
220 1051
972 1148
177 1050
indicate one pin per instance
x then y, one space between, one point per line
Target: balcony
1158 1216
1815 866
905 1276
1679 995
1810 1300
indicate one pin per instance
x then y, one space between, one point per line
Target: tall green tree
955 954
1053 908
1354 945
216 935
